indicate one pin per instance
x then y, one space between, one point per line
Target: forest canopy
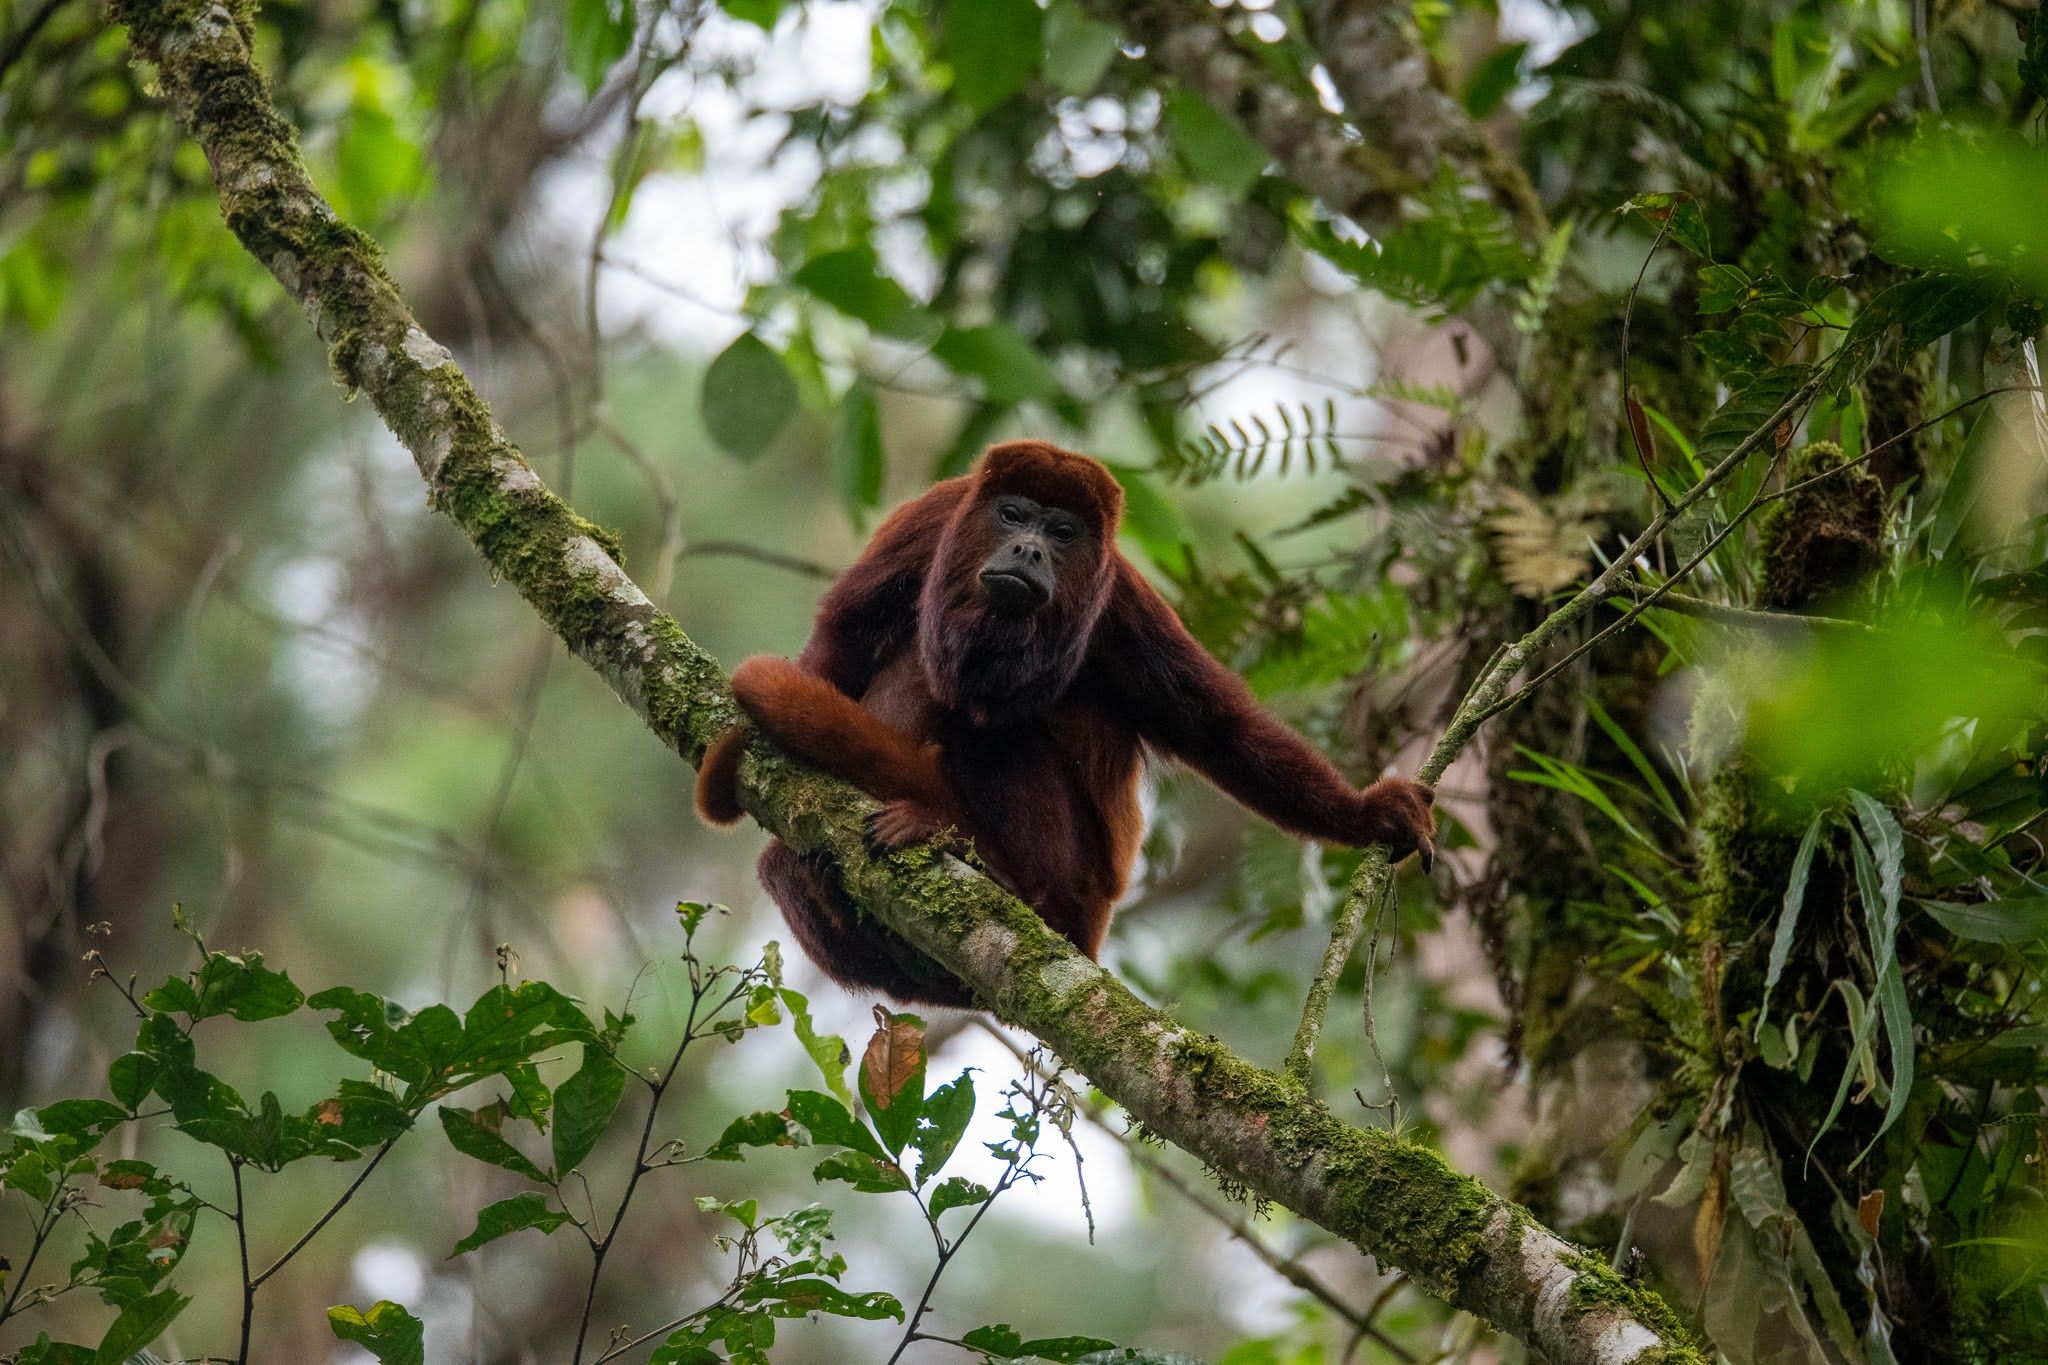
1626 418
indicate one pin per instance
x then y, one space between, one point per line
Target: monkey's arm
867 617
824 727
1186 705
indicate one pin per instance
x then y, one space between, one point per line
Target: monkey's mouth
1012 593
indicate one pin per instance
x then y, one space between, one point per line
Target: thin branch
1781 622
1238 1226
241 1220
775 559
324 1219
1632 406
45 1223
1488 697
18 42
601 1246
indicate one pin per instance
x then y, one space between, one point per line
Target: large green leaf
584 1105
521 1211
2020 920
1211 145
857 452
599 33
468 1134
749 396
139 1324
993 46
947 1112
1788 915
1010 369
852 281
387 1332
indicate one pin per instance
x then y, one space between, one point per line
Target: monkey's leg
858 954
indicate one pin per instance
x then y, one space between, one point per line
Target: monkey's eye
1010 515
1064 532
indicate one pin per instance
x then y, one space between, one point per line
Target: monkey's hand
1396 812
904 824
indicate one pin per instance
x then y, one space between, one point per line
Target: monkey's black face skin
1031 539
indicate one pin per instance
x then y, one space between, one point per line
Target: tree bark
1396 1200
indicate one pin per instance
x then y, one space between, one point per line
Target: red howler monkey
994 666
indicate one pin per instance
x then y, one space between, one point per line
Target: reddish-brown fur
1023 735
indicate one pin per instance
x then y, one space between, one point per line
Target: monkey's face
1034 545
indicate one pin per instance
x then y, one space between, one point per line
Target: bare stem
1488 697
324 1219
241 1218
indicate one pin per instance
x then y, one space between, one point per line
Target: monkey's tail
718 778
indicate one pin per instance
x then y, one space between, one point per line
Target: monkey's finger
1427 852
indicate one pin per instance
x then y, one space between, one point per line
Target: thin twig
26 34
324 1219
601 1246
1632 408
241 1219
45 1223
1488 697
1239 1227
734 549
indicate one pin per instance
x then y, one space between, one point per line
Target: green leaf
868 1174
852 281
947 1112
857 453
957 1192
85 1120
584 1105
752 1130
745 1212
1003 1341
1877 882
1010 369
827 1051
1491 80
827 1120
387 1332
892 1078
748 397
1722 287
130 1077
1078 48
1747 410
600 32
509 1024
468 1134
800 1297
760 13
139 1324
993 46
376 163
521 1211
239 986
1788 917
1212 146
2020 920
530 1098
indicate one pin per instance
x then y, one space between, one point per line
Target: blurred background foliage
1734 969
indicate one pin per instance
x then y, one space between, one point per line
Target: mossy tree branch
1394 1199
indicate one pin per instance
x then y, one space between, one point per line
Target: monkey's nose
1030 554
